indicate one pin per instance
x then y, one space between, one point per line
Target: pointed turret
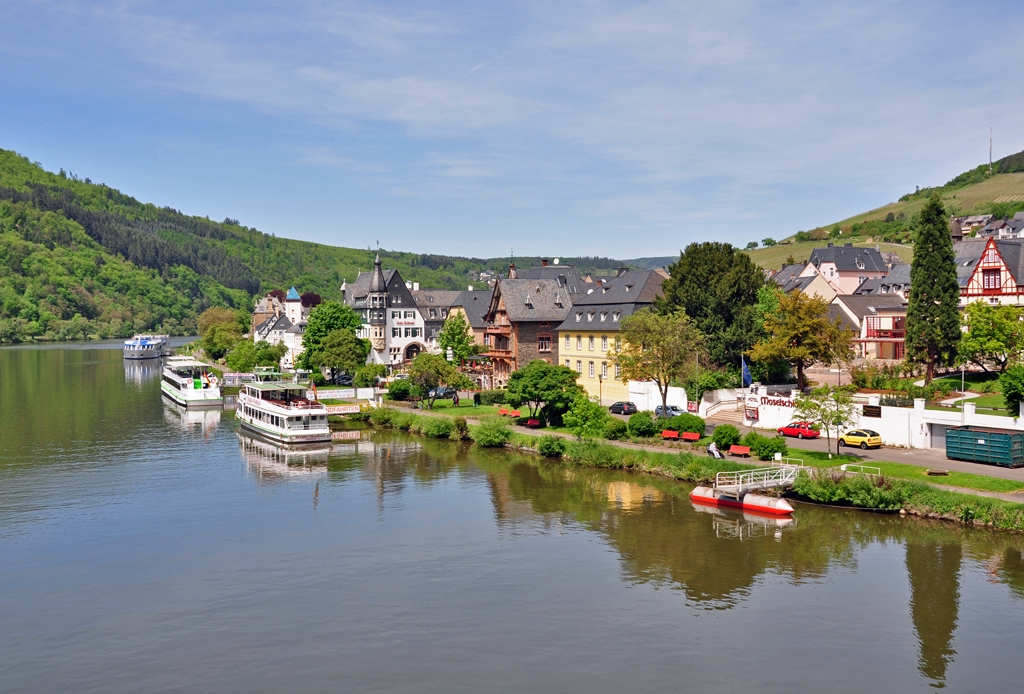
512 271
377 283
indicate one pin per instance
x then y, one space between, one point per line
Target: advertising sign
873 411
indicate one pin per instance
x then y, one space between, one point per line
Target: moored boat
147 347
756 503
187 381
279 411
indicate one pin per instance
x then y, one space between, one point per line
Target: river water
143 548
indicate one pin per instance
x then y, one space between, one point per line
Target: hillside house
990 270
879 322
846 267
473 304
896 282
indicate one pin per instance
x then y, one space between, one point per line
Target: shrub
494 397
551 446
318 379
615 429
403 420
460 429
590 452
366 376
399 390
585 418
382 416
642 424
476 399
438 427
686 422
764 447
1012 385
725 435
493 431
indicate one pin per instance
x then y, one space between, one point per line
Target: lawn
956 479
775 256
970 379
465 408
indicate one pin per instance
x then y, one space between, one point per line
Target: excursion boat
147 347
186 381
279 411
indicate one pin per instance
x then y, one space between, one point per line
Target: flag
745 372
314 388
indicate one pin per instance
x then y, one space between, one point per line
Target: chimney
622 270
415 286
408 285
544 262
471 287
830 245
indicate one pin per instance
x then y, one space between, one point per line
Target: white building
282 323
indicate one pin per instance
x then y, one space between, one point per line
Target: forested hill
80 258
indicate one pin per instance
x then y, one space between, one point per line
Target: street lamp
600 390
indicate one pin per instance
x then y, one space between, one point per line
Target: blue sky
568 128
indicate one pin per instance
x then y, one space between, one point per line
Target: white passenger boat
147 347
187 381
279 411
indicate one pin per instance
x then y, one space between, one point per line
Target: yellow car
865 438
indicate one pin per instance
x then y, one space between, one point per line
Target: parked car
623 408
801 430
345 380
865 438
672 411
442 393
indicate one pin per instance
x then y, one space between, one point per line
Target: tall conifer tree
933 319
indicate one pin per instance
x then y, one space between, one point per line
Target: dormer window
579 316
628 287
590 315
604 316
615 317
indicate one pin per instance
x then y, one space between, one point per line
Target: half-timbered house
990 270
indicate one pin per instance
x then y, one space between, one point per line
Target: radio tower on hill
990 150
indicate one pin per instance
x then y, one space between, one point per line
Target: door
938 435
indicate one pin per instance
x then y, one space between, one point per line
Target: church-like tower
377 298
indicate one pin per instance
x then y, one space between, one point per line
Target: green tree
828 408
657 347
245 355
546 389
751 246
716 286
801 333
221 329
367 375
995 335
586 418
457 334
768 242
323 320
429 371
341 350
1011 383
933 319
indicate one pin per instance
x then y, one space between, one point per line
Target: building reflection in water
270 462
934 572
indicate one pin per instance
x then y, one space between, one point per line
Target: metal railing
886 332
860 469
762 478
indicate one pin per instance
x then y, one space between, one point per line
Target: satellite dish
556 261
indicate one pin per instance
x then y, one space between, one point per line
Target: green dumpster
1002 447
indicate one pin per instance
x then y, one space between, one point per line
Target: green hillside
80 259
775 257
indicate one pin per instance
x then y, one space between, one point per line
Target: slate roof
475 304
968 253
378 283
898 279
282 323
435 298
787 273
598 316
836 312
566 274
862 306
846 258
361 285
533 299
638 286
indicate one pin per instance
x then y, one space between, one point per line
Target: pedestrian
455 400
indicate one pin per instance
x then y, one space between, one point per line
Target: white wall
645 395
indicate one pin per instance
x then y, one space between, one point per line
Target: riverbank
822 486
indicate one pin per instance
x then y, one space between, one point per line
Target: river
143 548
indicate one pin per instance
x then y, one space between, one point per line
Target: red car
801 430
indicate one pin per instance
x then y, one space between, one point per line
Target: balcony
887 333
498 328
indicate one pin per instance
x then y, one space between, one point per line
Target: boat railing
762 478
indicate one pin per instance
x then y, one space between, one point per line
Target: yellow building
588 336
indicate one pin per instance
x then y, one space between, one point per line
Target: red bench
669 434
533 423
515 413
690 436
502 411
739 450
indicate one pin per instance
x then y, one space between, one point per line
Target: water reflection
140 371
271 462
934 572
189 419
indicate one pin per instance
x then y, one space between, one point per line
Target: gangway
736 484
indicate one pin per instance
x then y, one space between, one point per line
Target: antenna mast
990 150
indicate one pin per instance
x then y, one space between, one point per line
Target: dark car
345 380
672 411
801 430
442 393
623 408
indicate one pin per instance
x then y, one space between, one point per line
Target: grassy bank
824 486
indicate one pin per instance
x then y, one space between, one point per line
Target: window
433 313
618 344
990 278
579 316
444 313
590 315
604 316
604 369
579 366
487 339
544 324
615 316
410 314
544 343
591 369
567 364
604 343
396 332
396 314
397 299
618 371
579 342
991 256
860 279
590 343
568 342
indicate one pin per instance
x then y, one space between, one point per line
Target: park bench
533 423
739 450
502 411
669 434
515 413
690 436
